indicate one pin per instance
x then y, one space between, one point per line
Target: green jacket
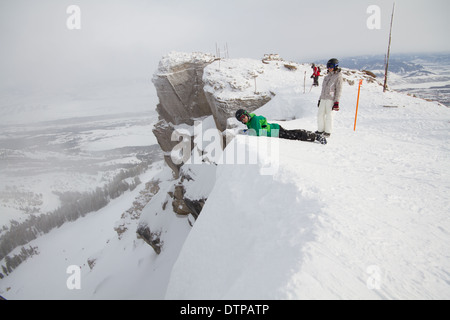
258 126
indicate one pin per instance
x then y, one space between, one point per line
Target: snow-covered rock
234 84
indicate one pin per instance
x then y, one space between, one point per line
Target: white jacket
332 86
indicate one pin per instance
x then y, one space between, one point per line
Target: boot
321 139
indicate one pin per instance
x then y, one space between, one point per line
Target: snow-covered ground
363 217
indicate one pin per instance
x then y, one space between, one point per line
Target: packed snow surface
364 217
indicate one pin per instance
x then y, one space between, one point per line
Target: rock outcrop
223 109
191 86
153 239
179 85
226 94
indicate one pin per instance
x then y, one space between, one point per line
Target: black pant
302 135
316 81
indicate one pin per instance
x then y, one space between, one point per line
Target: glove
336 106
318 104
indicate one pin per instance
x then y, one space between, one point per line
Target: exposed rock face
179 86
163 132
178 204
151 238
228 89
224 109
190 86
181 203
178 83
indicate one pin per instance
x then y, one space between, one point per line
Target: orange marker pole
357 103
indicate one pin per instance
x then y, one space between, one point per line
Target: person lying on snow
258 126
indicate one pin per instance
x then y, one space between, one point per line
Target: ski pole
357 103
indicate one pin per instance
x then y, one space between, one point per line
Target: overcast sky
126 38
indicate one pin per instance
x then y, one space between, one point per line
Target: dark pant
302 135
316 81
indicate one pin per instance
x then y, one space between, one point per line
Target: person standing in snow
259 126
315 75
329 98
